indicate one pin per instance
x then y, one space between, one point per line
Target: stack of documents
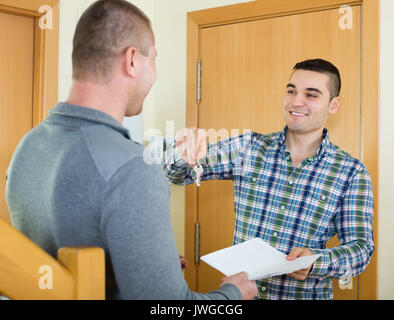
257 258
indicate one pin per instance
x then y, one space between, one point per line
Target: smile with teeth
298 114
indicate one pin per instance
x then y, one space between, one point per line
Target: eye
309 95
290 91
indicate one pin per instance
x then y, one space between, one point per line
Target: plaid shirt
329 193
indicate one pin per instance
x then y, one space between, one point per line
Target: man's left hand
294 254
183 262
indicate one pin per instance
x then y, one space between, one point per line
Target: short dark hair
103 32
326 67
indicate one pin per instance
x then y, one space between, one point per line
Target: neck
108 98
303 145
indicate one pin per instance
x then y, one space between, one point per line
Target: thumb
294 253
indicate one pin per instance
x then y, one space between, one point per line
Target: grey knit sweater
78 179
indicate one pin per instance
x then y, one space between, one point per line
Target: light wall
386 204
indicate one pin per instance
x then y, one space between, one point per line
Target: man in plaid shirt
294 188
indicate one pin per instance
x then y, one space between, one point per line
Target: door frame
370 51
46 53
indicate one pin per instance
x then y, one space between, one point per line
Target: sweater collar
92 115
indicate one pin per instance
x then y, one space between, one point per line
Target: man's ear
130 61
334 105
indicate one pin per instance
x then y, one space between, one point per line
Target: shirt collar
88 114
323 146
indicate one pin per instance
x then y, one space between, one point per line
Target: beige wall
386 204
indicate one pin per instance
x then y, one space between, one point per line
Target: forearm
335 262
218 163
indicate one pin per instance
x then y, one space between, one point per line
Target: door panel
245 68
16 85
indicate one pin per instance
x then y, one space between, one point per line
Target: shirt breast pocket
323 204
253 187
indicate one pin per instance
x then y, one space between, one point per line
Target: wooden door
16 85
245 68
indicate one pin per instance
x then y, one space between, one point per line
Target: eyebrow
290 85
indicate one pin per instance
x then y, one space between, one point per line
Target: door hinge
196 243
198 81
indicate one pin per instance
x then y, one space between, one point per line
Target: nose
298 100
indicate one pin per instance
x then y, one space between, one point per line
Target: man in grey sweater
78 178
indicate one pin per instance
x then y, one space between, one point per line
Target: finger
180 135
294 253
242 273
202 144
183 265
181 139
300 274
305 252
184 262
191 147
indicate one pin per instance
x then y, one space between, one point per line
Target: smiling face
307 102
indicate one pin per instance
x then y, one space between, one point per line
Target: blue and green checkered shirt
329 193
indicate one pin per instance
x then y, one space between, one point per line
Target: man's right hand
240 280
191 144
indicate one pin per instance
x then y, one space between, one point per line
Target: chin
138 112
299 129
294 127
132 113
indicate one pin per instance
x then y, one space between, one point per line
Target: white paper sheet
257 258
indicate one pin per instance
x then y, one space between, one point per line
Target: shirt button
323 197
290 181
283 207
254 179
275 234
263 289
